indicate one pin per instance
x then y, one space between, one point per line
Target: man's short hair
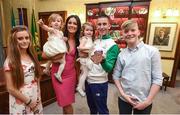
128 24
103 15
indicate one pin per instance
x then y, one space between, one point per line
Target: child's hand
65 39
46 71
40 22
80 48
57 57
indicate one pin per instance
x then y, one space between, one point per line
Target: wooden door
22 12
44 16
179 63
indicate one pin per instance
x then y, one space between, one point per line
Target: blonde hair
128 24
14 57
53 17
85 25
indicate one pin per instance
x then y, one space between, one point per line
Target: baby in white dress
86 45
56 43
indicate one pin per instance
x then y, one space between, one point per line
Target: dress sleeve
83 39
61 33
6 65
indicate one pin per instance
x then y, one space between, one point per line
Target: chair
165 81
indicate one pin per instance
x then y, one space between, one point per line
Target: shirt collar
107 36
140 44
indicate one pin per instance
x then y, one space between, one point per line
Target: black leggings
126 108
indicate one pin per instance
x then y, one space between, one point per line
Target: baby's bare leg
60 69
82 79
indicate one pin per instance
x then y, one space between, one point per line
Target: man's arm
153 91
117 73
111 56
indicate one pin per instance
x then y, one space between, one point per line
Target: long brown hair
14 57
77 34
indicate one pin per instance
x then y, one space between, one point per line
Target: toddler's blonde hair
53 16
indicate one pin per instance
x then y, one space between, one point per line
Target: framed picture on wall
162 35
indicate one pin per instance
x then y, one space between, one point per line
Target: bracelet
28 102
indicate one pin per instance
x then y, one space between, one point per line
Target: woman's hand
83 54
57 57
33 105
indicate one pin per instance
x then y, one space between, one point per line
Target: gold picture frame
162 35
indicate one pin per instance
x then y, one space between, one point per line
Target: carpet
166 102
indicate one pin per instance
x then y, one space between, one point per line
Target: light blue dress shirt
138 69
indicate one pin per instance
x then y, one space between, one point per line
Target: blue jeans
97 97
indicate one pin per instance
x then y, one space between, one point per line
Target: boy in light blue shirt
137 73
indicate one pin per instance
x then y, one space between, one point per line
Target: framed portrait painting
162 35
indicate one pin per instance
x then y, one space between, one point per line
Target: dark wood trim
4 95
168 58
176 62
108 2
47 102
